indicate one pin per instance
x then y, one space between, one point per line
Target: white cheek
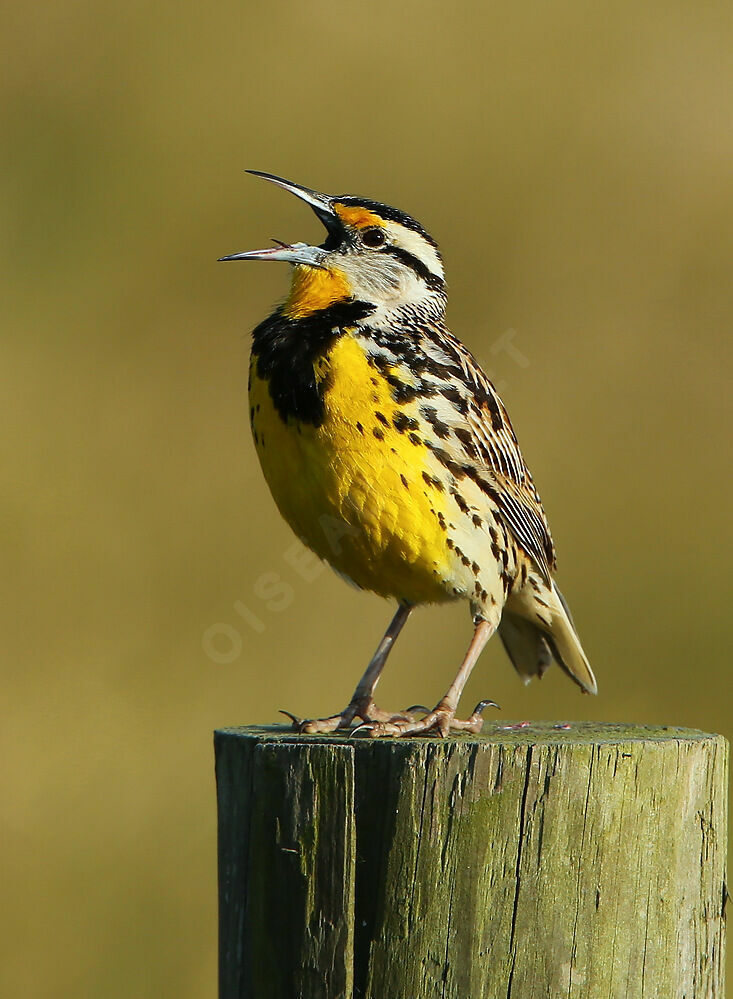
412 289
377 279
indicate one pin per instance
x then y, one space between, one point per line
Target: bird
390 454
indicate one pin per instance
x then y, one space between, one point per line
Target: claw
367 726
485 704
297 722
417 707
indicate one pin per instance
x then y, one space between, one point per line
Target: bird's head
372 253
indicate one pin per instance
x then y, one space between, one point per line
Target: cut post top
501 734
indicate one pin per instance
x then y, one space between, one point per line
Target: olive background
574 163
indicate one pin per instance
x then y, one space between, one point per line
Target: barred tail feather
525 645
534 635
566 647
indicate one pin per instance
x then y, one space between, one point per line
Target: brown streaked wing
494 440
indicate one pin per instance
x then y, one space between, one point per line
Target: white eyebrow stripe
414 243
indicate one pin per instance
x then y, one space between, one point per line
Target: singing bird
390 454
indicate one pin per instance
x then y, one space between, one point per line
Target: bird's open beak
297 253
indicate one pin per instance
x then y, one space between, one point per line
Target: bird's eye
373 238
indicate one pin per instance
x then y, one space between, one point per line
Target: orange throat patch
314 289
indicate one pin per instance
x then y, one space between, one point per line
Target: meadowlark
390 454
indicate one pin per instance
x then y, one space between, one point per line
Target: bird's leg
443 716
362 702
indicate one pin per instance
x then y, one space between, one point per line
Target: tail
534 633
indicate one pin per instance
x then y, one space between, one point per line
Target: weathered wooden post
527 863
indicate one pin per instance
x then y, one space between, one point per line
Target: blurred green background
574 162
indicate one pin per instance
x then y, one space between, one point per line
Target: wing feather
493 439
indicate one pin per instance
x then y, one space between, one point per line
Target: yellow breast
357 490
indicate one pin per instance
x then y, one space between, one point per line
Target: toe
319 726
474 724
384 729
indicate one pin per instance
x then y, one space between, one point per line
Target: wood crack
517 876
581 855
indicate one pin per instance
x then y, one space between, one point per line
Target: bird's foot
440 721
364 709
